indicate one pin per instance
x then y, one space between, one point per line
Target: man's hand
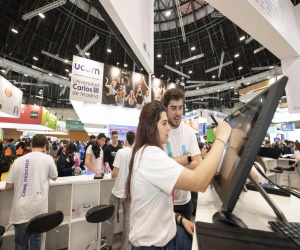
188 226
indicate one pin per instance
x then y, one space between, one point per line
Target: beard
173 124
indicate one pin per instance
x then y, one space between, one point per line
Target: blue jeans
181 241
22 238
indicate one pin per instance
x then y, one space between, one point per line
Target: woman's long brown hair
146 135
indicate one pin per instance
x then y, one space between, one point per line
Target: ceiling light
41 15
142 69
177 63
242 38
50 74
193 48
153 76
219 90
35 58
213 77
190 72
25 75
15 31
66 60
271 67
235 93
70 74
66 70
240 68
236 55
247 83
3 70
108 50
168 13
197 88
221 99
125 65
87 53
159 55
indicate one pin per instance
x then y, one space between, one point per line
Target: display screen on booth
288 127
249 126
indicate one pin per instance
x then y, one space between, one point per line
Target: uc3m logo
87 69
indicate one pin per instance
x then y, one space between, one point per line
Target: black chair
289 171
277 170
44 222
99 214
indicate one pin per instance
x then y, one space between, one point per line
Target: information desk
251 208
64 194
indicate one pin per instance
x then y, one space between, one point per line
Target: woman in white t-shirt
152 177
297 157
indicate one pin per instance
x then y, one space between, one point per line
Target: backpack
19 151
4 165
8 151
82 162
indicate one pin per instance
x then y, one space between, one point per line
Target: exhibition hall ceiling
211 39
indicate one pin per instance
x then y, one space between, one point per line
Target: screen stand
268 199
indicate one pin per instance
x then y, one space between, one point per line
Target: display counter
77 192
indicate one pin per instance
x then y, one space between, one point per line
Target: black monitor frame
274 94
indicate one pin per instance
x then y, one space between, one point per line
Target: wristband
181 218
221 141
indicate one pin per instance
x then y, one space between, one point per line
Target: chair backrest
100 213
0 241
2 230
44 222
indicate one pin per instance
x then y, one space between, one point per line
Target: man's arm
9 186
115 172
183 160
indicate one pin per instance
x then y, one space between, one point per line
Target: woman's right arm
199 178
107 86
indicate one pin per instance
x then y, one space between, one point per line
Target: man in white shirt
94 156
120 172
182 146
29 177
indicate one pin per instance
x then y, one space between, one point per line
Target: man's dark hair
100 136
92 137
172 94
107 140
114 133
39 141
11 139
130 136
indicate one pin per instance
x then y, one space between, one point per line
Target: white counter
251 208
64 194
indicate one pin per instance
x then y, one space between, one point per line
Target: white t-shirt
153 179
30 175
121 162
182 140
95 162
297 154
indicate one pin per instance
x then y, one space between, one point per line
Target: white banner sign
86 80
10 99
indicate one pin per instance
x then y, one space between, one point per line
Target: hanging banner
86 80
49 119
10 99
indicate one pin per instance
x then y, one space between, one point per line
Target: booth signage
49 119
74 125
10 99
34 114
86 80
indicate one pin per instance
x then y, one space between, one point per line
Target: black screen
249 125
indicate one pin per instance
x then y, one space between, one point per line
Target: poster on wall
49 119
86 80
160 86
10 99
124 88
